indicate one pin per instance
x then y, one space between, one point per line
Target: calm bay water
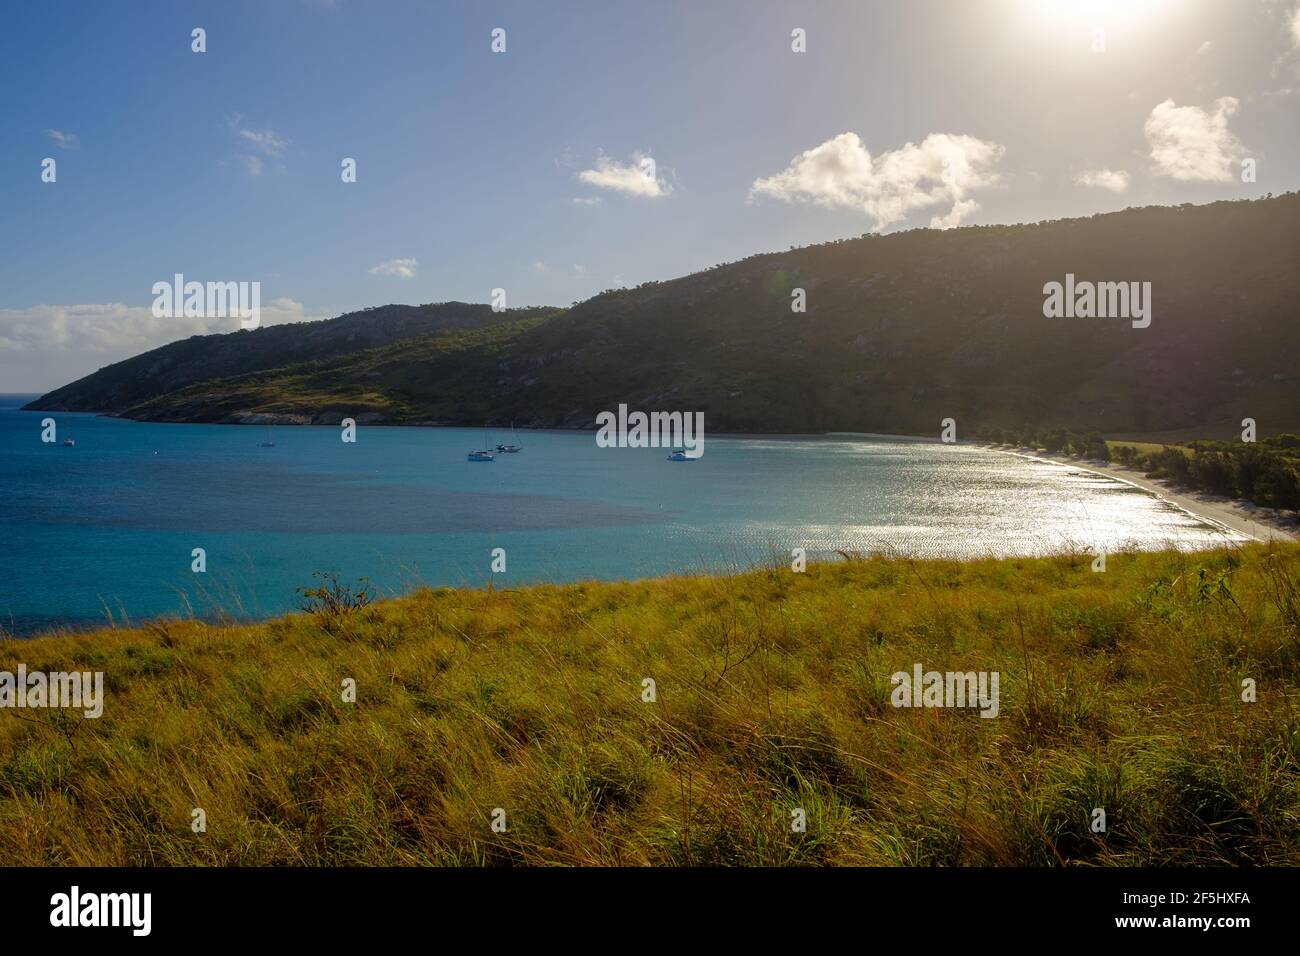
107 527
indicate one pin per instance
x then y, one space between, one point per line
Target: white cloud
266 140
841 173
64 140
959 211
579 269
541 268
636 178
115 331
1191 144
1116 180
402 268
1204 48
1295 27
588 200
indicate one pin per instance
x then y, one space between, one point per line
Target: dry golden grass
1119 690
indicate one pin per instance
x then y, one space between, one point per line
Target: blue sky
520 170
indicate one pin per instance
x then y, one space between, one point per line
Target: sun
1095 14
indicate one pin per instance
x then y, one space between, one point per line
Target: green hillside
123 386
900 332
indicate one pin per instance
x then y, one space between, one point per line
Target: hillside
1120 691
117 388
900 331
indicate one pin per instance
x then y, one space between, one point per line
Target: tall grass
1119 690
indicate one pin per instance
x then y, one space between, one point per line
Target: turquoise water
106 528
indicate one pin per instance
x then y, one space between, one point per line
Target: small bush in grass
331 598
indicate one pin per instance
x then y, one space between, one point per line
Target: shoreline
1236 515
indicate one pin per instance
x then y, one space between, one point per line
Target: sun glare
1095 14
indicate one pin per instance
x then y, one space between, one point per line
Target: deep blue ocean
105 529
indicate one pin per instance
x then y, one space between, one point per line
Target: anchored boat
514 445
484 455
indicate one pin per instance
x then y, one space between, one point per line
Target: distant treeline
1054 441
1266 472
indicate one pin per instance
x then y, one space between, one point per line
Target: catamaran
679 454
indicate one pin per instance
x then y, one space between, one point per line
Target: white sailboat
483 454
514 445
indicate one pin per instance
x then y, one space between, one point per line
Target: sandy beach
1243 517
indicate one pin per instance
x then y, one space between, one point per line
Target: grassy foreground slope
1119 690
